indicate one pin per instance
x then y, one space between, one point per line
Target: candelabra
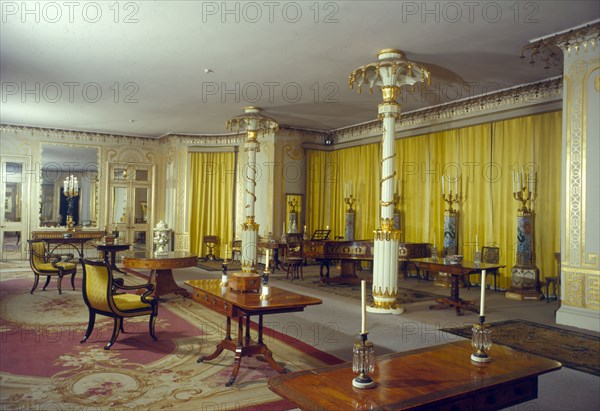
293 203
481 340
525 284
363 362
350 201
524 189
70 190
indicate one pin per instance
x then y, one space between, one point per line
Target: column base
385 308
525 284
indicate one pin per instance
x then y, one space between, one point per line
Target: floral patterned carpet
43 365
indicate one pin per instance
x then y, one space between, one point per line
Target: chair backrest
490 255
37 252
294 245
97 284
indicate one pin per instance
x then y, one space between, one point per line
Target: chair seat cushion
65 266
128 302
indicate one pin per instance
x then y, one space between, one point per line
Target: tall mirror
60 161
293 207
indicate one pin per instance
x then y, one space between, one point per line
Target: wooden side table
111 250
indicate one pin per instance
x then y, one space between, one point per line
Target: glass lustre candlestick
363 362
481 341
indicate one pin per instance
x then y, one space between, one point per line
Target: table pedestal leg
165 284
243 347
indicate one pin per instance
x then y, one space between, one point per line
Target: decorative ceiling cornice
529 94
547 50
520 96
71 136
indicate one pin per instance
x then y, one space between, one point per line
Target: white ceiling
292 59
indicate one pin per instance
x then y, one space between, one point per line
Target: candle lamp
224 278
265 290
70 191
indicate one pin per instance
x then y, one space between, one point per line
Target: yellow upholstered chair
49 265
100 293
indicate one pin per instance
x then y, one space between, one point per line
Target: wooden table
110 250
241 306
436 378
457 271
161 265
76 242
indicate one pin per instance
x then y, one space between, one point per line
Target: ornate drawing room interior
460 126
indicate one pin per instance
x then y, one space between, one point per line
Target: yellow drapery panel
484 156
212 200
533 142
359 166
317 204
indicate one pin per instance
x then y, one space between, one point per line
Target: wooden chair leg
118 325
46 283
152 326
35 283
73 280
90 327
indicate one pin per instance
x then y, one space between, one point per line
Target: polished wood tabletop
242 305
439 377
161 266
456 270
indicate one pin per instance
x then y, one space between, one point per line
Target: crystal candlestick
481 341
363 362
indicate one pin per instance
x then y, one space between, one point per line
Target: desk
161 265
436 378
456 270
241 306
111 250
76 242
352 252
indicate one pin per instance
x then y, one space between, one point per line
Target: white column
249 227
386 239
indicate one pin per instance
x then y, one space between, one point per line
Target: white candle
476 242
267 258
482 303
443 191
226 250
326 227
434 239
514 182
223 278
363 311
351 189
305 229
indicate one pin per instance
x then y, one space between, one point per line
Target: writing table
456 271
240 305
435 378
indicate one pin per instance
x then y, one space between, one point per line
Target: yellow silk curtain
212 200
327 174
484 157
